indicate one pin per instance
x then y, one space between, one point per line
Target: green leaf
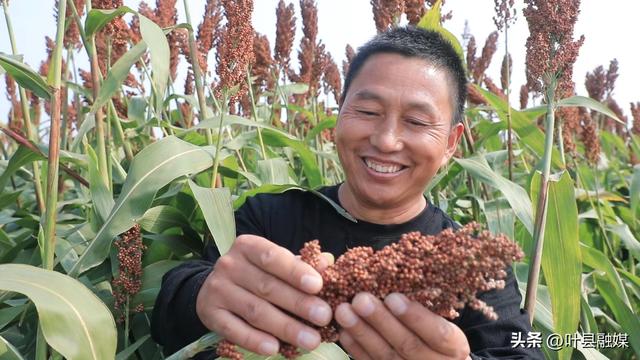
98 18
500 217
20 158
273 171
159 48
151 282
308 159
523 124
517 197
74 321
152 168
25 76
293 89
589 103
561 261
160 218
629 321
100 196
117 74
599 261
217 209
325 124
8 351
129 351
431 21
630 242
634 191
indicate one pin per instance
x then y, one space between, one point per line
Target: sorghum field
114 172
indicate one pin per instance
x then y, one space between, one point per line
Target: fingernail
308 340
268 348
396 303
311 283
345 316
363 304
320 314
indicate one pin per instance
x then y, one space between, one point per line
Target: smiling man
399 122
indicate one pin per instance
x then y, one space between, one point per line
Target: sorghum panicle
349 55
285 31
505 72
505 13
550 46
127 283
208 31
235 48
414 9
482 64
635 113
524 96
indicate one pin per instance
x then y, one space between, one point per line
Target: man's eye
367 113
416 122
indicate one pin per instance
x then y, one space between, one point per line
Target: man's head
419 43
396 127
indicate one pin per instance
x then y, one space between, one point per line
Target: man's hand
397 329
251 291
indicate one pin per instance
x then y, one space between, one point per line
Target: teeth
382 168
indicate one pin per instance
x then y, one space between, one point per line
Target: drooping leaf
598 261
151 281
517 197
117 74
152 168
74 321
25 76
217 208
588 103
625 316
159 47
98 18
561 260
20 158
628 239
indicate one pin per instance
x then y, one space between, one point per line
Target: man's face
394 129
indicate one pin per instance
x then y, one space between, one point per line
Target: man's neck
374 214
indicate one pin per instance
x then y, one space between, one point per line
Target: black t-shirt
294 217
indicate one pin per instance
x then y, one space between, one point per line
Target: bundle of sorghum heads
443 272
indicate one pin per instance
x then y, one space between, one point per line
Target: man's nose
386 136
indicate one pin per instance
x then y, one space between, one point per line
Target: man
399 122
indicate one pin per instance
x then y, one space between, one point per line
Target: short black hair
416 42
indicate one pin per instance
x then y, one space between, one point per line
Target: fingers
264 316
279 262
404 341
238 332
283 295
352 347
368 339
441 335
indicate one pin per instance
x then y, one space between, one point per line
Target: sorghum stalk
507 93
197 76
541 210
54 143
24 102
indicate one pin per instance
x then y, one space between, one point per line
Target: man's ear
452 142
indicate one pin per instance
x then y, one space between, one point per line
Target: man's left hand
397 329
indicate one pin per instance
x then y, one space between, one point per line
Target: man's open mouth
385 168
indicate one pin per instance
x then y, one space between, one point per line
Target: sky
610 32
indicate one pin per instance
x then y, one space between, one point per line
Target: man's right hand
246 297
